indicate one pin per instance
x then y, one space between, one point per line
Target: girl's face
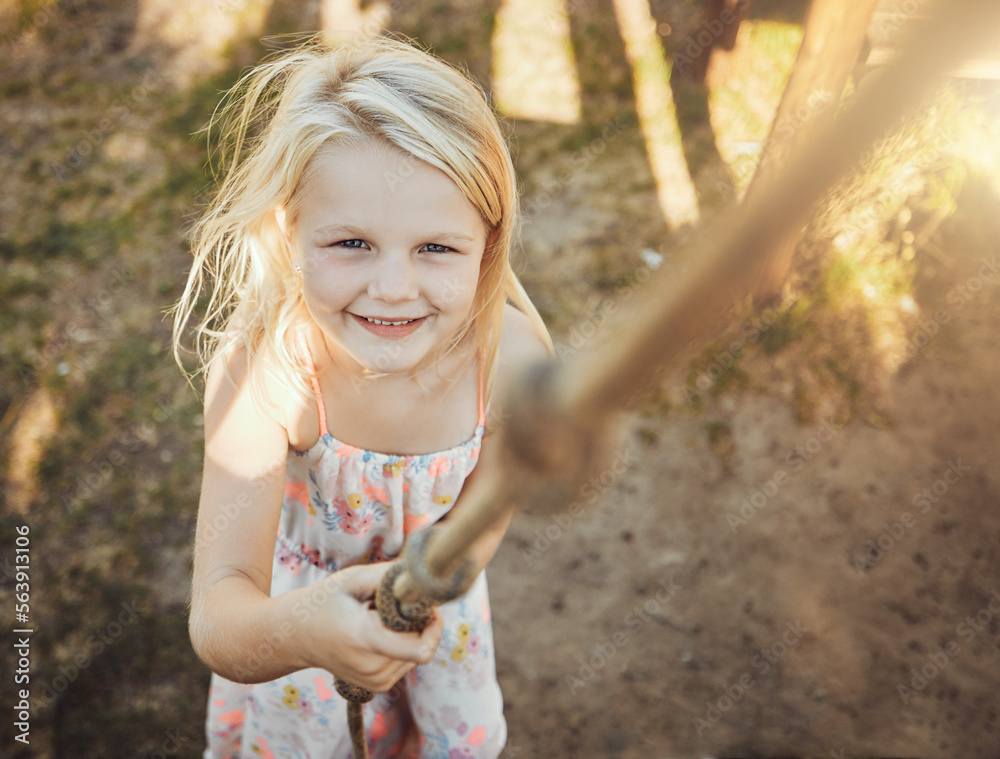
390 251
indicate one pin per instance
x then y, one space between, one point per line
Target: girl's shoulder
249 385
245 434
520 344
520 347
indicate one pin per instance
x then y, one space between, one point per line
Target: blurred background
804 518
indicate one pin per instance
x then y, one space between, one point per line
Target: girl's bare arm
236 628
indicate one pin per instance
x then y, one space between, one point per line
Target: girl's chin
390 359
384 355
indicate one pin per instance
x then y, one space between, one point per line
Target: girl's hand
341 631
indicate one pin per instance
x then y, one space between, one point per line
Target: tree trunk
834 34
718 29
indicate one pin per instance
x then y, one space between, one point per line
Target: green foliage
90 242
790 325
722 369
721 442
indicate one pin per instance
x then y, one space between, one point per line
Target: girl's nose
394 280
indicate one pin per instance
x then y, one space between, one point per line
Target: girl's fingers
431 637
387 655
362 581
416 648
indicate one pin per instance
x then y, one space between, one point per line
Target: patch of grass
189 113
127 367
803 405
849 306
140 677
743 103
14 284
648 436
717 370
90 242
720 440
16 88
717 431
789 325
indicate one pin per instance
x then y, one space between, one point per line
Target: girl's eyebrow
451 236
361 232
342 229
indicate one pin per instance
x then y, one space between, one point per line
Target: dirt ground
834 593
739 582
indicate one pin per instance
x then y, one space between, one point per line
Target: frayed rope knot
400 617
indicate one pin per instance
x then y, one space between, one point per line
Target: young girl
359 323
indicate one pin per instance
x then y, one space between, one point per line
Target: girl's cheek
330 282
457 288
453 295
317 261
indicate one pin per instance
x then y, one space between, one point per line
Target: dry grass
849 316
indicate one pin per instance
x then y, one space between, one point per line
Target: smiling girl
362 316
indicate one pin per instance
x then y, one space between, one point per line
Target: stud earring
298 268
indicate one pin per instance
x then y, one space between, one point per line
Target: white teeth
394 324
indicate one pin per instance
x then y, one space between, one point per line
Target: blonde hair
273 123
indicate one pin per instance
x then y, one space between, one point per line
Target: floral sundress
345 506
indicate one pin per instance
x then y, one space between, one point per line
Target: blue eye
433 247
356 244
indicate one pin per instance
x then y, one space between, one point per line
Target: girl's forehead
364 149
371 179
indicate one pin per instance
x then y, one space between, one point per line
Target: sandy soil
835 592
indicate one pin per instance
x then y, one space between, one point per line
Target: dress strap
482 411
314 380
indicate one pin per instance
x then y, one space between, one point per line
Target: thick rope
356 724
403 617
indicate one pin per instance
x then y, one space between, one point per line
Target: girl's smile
388 327
390 251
